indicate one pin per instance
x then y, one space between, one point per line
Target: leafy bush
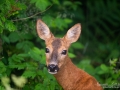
22 52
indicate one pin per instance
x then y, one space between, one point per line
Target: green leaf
1 30
77 45
14 37
42 4
5 39
21 66
35 53
42 60
20 45
60 22
10 26
36 50
56 2
25 45
71 55
104 67
2 64
2 68
84 63
1 24
47 19
1 2
2 88
26 36
32 1
39 86
68 21
23 55
29 74
21 6
16 58
5 60
3 18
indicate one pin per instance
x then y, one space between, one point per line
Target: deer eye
64 52
47 50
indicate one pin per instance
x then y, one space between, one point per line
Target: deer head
57 48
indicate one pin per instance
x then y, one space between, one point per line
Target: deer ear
43 30
73 33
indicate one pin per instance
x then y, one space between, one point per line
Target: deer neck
67 74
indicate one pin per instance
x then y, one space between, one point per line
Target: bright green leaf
29 74
68 21
42 4
71 55
10 26
104 67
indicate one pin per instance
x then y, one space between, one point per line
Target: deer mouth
53 69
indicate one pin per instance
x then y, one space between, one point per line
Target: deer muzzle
53 69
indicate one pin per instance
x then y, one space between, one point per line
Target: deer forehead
56 44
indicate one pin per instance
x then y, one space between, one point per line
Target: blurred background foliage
22 52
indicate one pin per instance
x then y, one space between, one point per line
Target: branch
32 15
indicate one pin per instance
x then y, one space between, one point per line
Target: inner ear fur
43 30
73 33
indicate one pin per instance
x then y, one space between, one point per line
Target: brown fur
72 78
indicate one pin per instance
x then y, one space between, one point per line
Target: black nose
53 68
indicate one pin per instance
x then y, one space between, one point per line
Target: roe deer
58 62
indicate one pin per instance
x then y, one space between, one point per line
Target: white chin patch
52 72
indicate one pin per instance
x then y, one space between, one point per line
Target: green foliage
97 51
41 4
